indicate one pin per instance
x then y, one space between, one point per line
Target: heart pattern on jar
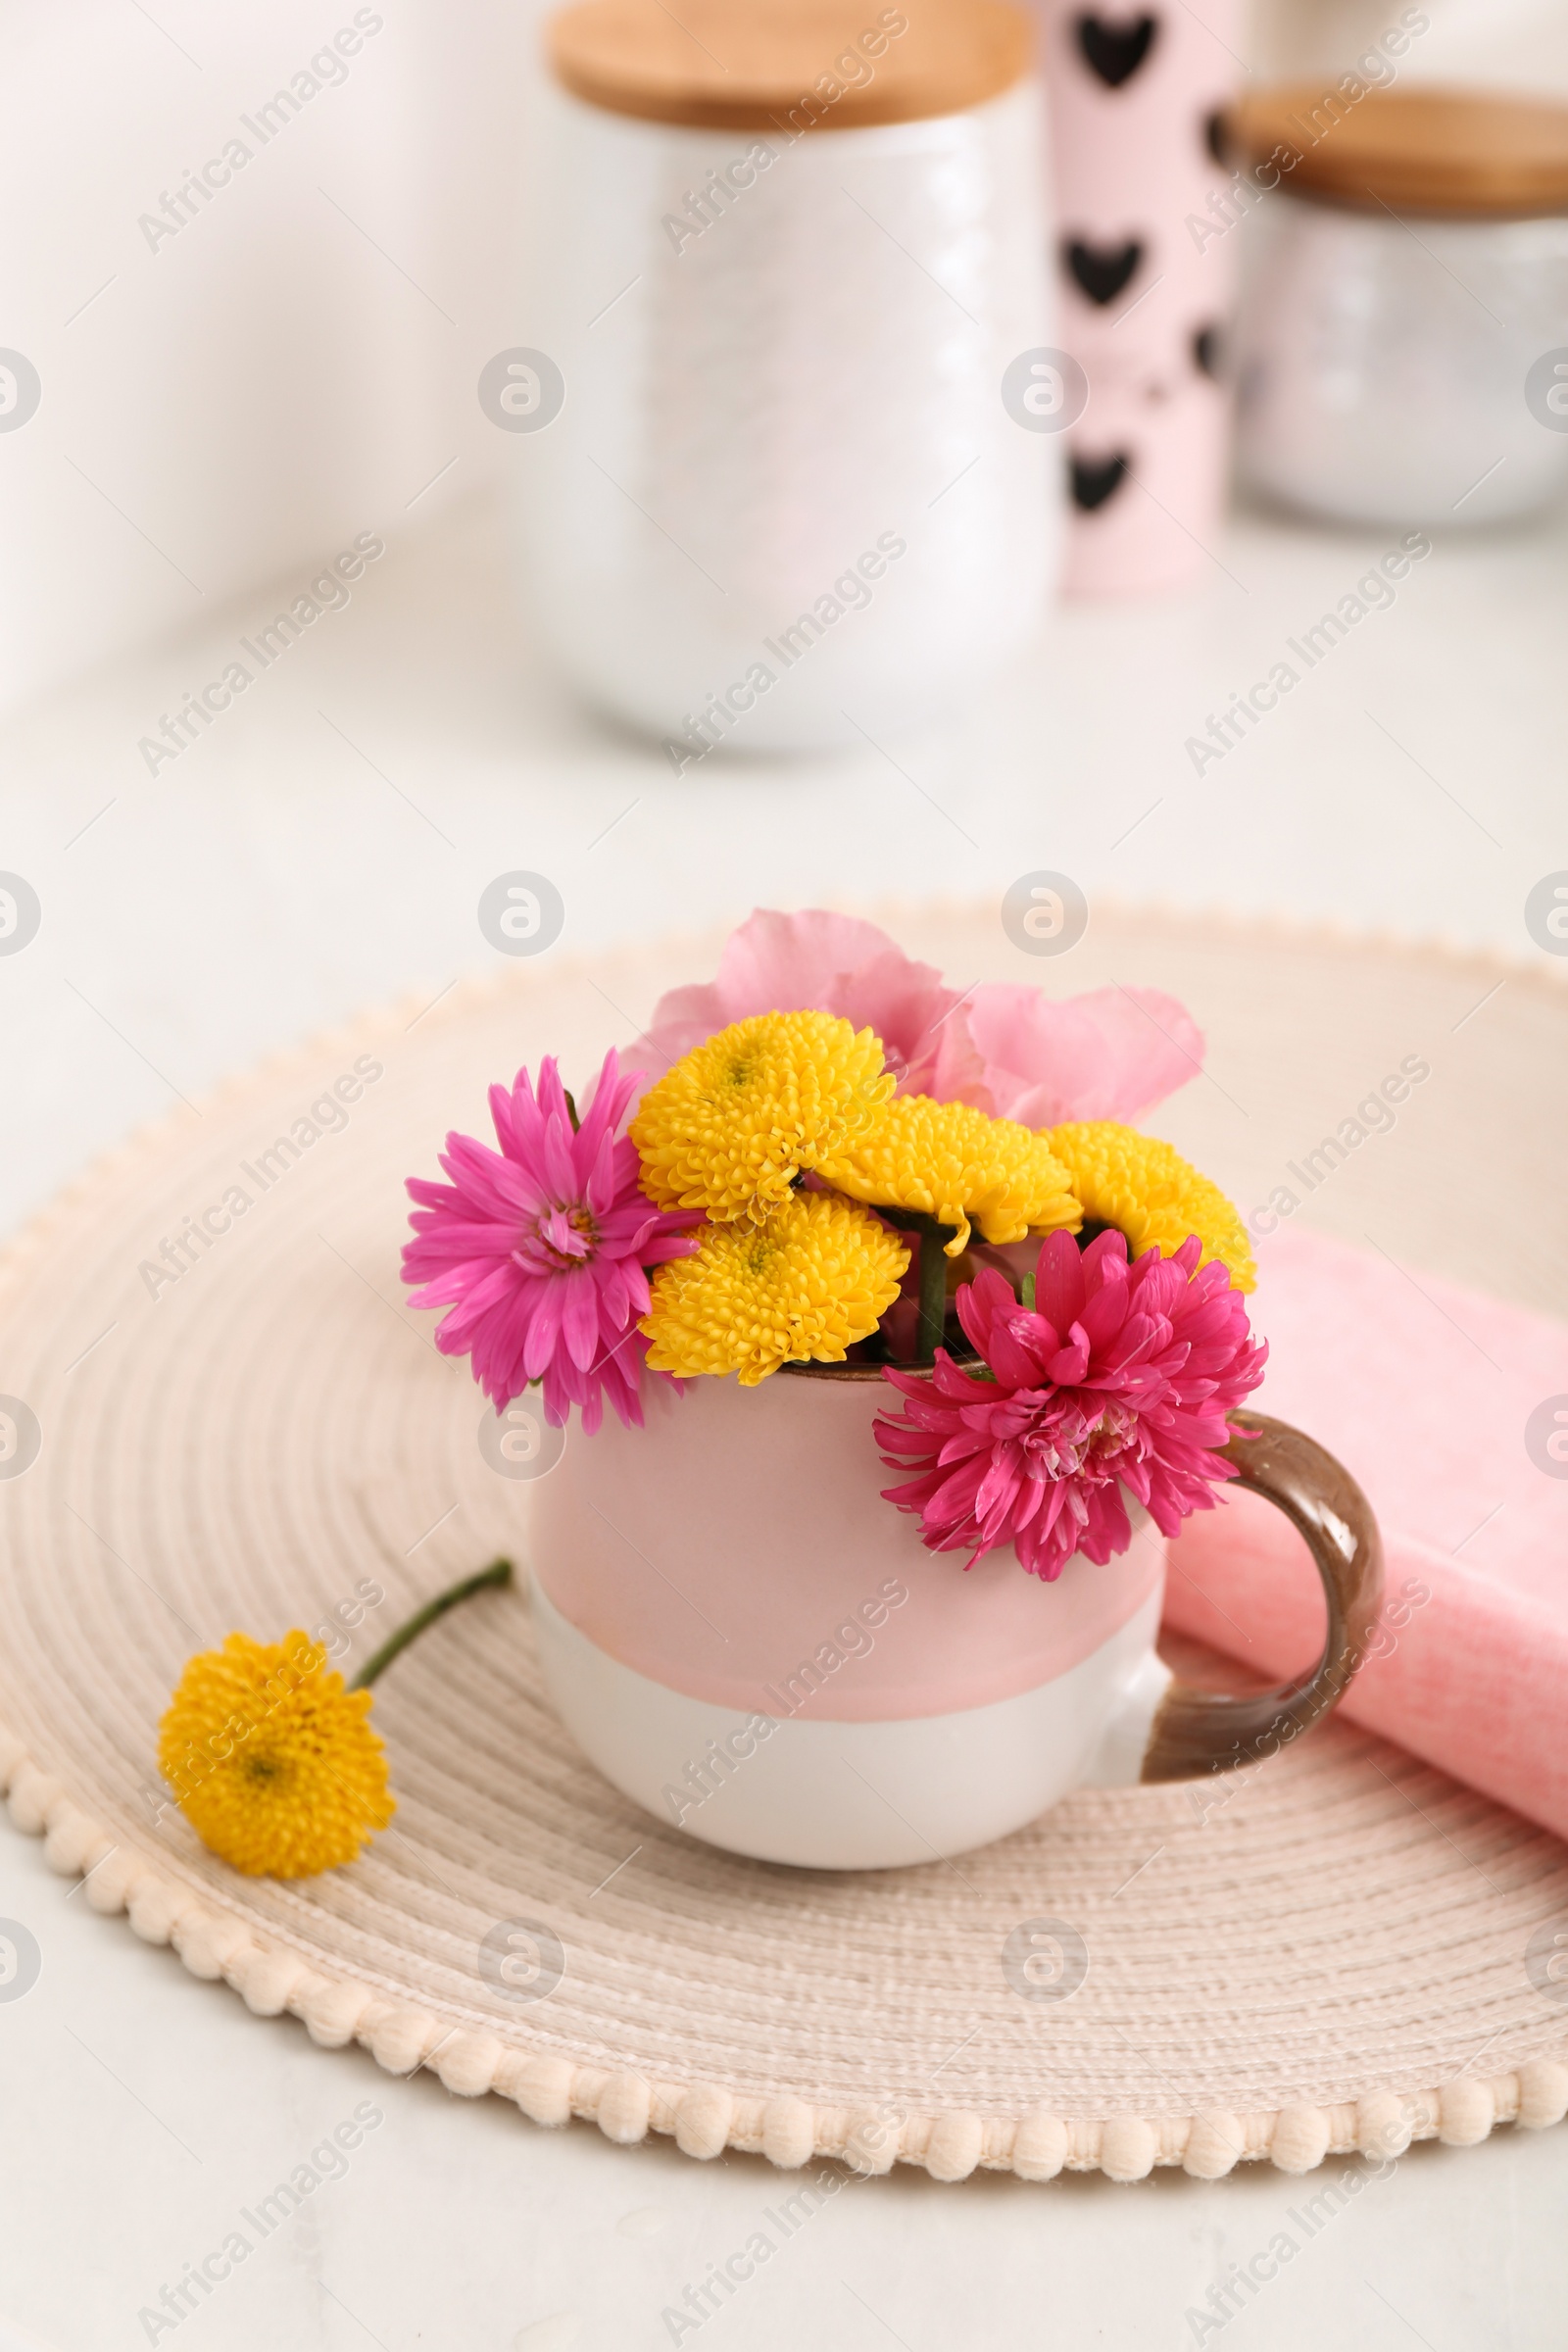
1140 94
1101 270
1115 48
1095 479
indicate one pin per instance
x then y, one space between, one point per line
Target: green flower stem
498 1572
934 1263
933 1292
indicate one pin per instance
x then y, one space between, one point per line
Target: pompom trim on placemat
702 2118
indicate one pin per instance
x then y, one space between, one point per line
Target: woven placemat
1332 1958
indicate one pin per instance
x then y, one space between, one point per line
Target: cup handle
1197 1732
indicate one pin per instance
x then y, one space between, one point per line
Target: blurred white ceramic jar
1404 342
782 504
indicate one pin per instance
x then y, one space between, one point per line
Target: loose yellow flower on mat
953 1163
1152 1195
803 1287
737 1117
271 1761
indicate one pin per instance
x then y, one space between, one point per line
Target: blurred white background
225 406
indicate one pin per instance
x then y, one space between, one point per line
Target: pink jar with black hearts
1147 269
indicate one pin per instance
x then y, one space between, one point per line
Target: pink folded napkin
1425 1393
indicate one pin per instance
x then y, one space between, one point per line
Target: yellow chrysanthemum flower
1152 1195
272 1762
736 1120
802 1287
950 1162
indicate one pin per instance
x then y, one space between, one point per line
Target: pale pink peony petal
1110 1054
832 963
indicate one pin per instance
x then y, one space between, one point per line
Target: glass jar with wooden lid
1403 349
768 492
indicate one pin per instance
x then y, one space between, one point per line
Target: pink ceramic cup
750 1641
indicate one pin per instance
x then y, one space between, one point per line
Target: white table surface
324 847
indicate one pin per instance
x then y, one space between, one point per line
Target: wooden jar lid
760 65
1466 153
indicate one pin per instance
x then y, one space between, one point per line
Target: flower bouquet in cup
847 1220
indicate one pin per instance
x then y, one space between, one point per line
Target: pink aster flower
1121 1376
539 1249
